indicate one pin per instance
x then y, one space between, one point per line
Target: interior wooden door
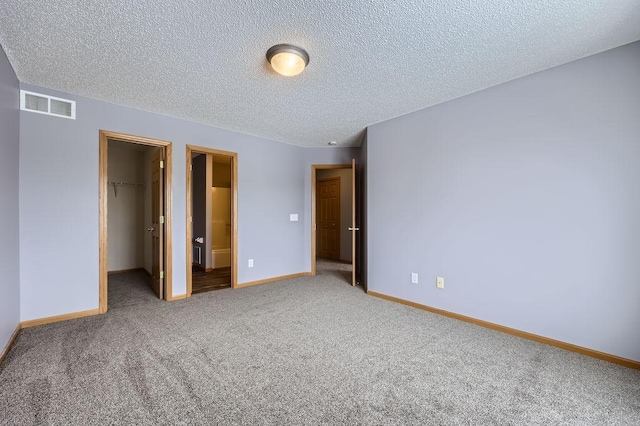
157 222
328 218
354 229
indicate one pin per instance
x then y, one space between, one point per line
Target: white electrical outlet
439 282
414 278
250 263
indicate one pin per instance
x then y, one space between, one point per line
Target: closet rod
117 184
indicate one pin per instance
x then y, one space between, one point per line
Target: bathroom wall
221 202
221 172
220 218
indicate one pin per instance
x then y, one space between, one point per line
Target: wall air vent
50 105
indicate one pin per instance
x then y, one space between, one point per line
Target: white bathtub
220 258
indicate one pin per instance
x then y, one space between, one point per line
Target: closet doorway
212 217
134 215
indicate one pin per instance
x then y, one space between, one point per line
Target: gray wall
346 202
525 198
9 219
60 176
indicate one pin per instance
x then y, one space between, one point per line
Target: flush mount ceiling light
287 59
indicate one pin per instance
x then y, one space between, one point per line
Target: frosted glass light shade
287 60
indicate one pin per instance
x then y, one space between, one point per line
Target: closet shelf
126 184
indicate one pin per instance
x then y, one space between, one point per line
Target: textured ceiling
204 60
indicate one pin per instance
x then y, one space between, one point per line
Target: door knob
354 229
150 229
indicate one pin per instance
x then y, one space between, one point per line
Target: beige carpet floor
312 350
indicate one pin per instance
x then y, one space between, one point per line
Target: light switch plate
293 217
439 282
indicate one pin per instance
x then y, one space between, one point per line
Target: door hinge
191 167
315 226
161 219
161 164
190 219
161 274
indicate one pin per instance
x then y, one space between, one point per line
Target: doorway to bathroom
212 234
